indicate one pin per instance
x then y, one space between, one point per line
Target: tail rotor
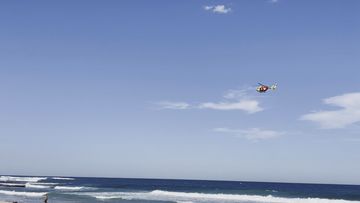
274 86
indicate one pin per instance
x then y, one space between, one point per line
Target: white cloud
208 7
173 105
250 106
236 94
341 118
221 9
251 134
232 100
274 1
238 99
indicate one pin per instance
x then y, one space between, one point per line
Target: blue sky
166 89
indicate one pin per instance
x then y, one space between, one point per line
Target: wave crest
25 194
71 188
62 178
21 179
12 184
37 186
160 195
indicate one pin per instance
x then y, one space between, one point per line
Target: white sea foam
38 186
26 194
12 184
271 190
71 188
21 179
41 183
62 178
159 195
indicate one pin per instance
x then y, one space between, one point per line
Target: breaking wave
41 183
159 195
12 184
21 179
25 194
71 188
38 186
62 178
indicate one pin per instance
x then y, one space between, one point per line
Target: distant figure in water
46 198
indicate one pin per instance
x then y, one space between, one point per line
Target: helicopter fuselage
262 88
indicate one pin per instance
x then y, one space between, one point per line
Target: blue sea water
92 190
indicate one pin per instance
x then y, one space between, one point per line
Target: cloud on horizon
220 9
341 118
253 134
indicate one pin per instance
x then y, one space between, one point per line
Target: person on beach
46 198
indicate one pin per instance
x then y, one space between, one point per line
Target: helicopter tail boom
273 87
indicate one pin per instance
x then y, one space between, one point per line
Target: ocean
93 190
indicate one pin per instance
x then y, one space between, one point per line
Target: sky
166 89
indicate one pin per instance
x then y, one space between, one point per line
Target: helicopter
263 88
